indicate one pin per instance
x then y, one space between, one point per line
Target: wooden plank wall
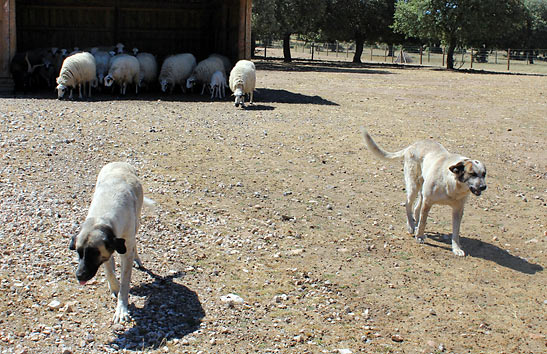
160 27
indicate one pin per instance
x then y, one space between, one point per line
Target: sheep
204 71
242 81
218 84
135 51
77 69
148 69
225 61
175 70
102 60
119 48
124 69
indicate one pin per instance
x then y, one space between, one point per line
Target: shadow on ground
322 66
283 96
170 311
479 249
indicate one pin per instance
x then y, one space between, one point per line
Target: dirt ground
281 204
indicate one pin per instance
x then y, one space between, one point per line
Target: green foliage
272 19
461 22
537 23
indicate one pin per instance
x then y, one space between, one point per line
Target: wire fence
499 60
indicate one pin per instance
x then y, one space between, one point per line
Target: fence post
265 46
429 54
312 50
347 51
471 58
337 49
420 55
371 52
508 58
496 55
385 54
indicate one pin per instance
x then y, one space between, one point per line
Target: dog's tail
378 151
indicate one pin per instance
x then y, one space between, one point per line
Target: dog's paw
420 239
458 252
121 315
410 229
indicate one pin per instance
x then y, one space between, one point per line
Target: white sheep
225 61
242 81
124 70
218 84
77 70
148 72
102 60
204 71
175 70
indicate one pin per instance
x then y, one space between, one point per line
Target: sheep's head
108 80
165 84
239 97
191 82
135 51
61 89
101 78
119 48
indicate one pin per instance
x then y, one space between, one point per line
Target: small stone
397 338
232 299
55 305
345 351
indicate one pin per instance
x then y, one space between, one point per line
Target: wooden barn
162 27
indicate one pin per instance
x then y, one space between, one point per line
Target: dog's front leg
113 283
122 311
420 234
457 214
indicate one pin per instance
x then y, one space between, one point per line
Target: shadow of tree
170 311
302 65
489 252
283 96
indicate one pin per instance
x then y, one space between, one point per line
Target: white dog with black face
435 176
110 226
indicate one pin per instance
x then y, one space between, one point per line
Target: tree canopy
460 22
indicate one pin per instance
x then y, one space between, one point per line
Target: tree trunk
450 56
287 48
359 43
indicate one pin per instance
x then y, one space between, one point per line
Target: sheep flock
112 70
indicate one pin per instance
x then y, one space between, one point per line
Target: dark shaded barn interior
200 27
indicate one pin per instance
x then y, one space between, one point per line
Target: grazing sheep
102 60
135 51
242 81
77 69
148 69
124 69
204 71
225 61
218 85
175 70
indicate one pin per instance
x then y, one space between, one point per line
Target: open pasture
281 204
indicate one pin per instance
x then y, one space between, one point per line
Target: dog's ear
457 169
113 242
72 245
119 245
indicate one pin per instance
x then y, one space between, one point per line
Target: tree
282 18
459 22
537 23
359 21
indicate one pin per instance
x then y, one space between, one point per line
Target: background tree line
479 24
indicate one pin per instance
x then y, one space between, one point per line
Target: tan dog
435 176
110 226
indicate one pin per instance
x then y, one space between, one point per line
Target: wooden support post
508 58
312 50
421 55
337 49
371 53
